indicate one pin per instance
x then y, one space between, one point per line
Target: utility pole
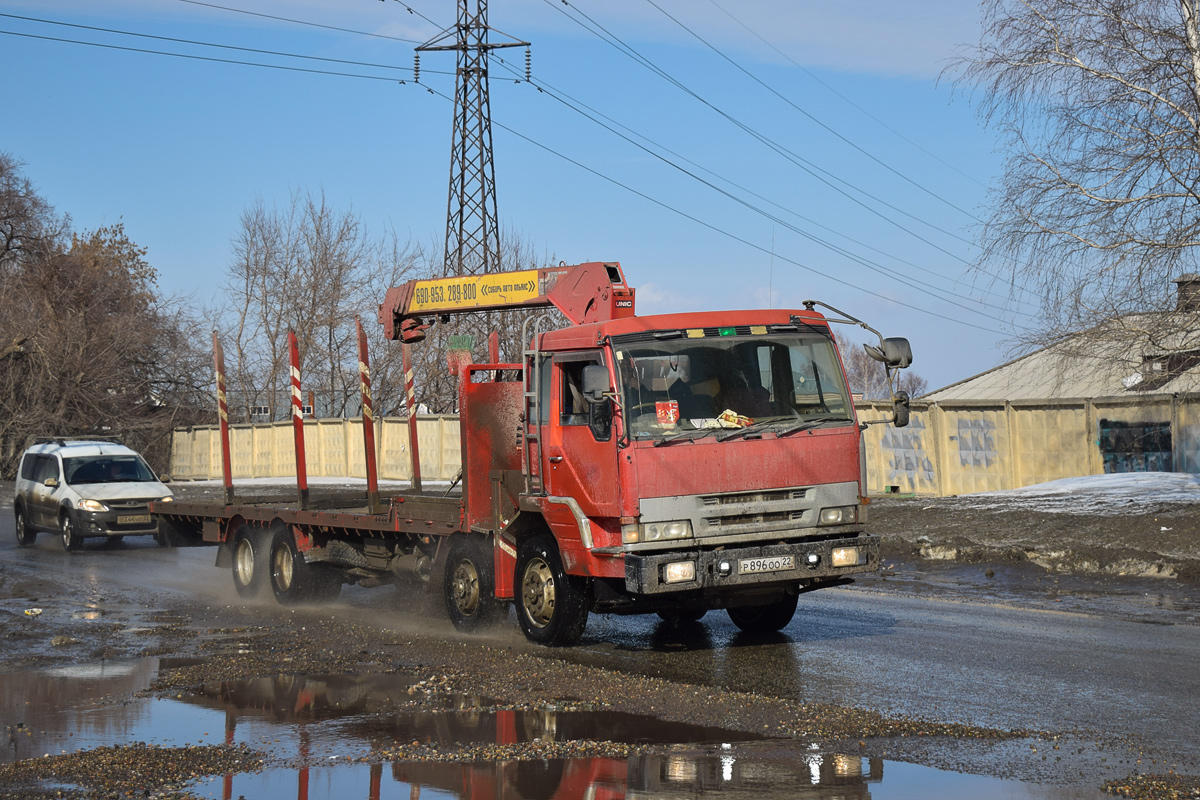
472 227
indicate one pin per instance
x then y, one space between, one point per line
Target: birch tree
1097 211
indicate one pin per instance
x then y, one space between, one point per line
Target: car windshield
106 469
733 379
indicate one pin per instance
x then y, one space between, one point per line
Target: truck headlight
92 505
840 515
663 531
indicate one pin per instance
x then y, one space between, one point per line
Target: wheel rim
537 593
22 533
244 562
283 569
464 588
67 533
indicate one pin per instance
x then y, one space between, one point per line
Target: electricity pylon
472 226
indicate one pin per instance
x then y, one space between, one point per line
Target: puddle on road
325 736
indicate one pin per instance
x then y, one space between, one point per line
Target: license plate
772 564
133 519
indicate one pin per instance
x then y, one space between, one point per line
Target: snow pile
1098 494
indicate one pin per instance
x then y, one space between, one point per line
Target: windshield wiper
808 424
755 427
685 436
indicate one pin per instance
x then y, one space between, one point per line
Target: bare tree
100 353
309 268
1099 101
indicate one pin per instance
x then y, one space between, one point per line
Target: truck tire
26 535
294 580
469 585
765 618
71 540
249 562
551 605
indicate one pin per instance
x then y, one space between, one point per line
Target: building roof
1099 363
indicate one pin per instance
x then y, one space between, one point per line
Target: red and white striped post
368 419
410 402
298 422
223 417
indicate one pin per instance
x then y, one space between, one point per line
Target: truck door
580 454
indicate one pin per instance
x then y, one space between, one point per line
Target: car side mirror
595 383
51 482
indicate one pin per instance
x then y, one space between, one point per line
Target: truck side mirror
595 383
895 352
900 409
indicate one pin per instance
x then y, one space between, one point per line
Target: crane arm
584 293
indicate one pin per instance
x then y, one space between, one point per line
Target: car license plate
771 564
133 519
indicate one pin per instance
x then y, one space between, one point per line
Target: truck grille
746 512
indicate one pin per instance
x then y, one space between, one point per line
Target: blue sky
178 148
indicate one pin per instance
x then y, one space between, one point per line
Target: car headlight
656 531
92 505
840 515
166 499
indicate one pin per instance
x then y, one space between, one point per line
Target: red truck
668 464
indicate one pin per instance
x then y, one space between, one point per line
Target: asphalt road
1115 679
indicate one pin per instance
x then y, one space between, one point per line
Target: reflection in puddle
327 737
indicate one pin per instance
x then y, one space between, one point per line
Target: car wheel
469 586
71 540
765 618
551 605
26 535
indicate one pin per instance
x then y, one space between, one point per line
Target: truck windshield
106 469
728 381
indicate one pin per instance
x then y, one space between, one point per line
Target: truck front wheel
469 586
765 618
551 605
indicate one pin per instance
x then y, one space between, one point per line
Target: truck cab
688 462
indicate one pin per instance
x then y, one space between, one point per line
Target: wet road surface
1133 684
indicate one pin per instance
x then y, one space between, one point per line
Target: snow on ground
1098 494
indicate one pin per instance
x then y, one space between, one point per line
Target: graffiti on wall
1135 446
976 442
904 455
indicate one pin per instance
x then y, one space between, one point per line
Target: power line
912 283
596 117
799 161
300 22
546 148
844 98
206 44
203 58
808 115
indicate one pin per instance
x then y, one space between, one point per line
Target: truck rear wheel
469 586
765 618
249 562
294 580
551 606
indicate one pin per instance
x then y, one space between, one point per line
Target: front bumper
720 568
126 522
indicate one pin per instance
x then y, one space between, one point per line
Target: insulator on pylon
416 67
528 64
